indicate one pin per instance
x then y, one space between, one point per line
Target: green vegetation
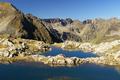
2 11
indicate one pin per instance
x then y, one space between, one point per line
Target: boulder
61 62
69 61
116 55
4 53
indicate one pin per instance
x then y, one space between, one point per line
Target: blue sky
76 9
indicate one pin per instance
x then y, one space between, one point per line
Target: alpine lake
40 71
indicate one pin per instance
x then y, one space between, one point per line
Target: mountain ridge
21 25
15 23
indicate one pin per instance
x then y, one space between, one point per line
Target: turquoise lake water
39 71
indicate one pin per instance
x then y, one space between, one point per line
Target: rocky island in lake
57 42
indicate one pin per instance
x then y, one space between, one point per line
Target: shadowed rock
17 24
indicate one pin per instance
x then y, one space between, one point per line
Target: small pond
55 51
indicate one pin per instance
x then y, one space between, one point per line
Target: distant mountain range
17 24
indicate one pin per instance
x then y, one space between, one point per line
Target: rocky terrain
23 36
108 52
27 50
17 24
10 47
101 49
93 31
61 60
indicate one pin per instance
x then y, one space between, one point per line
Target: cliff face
95 31
67 28
100 30
17 24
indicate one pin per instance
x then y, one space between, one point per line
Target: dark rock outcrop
70 36
63 22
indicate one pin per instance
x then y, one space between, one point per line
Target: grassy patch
2 11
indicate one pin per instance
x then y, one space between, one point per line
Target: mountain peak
4 6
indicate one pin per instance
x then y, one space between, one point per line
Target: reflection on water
117 68
38 71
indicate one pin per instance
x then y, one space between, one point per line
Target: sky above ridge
76 9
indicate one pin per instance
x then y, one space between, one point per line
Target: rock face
16 24
95 31
67 28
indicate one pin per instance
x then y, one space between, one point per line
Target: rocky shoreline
10 47
108 52
12 50
61 60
